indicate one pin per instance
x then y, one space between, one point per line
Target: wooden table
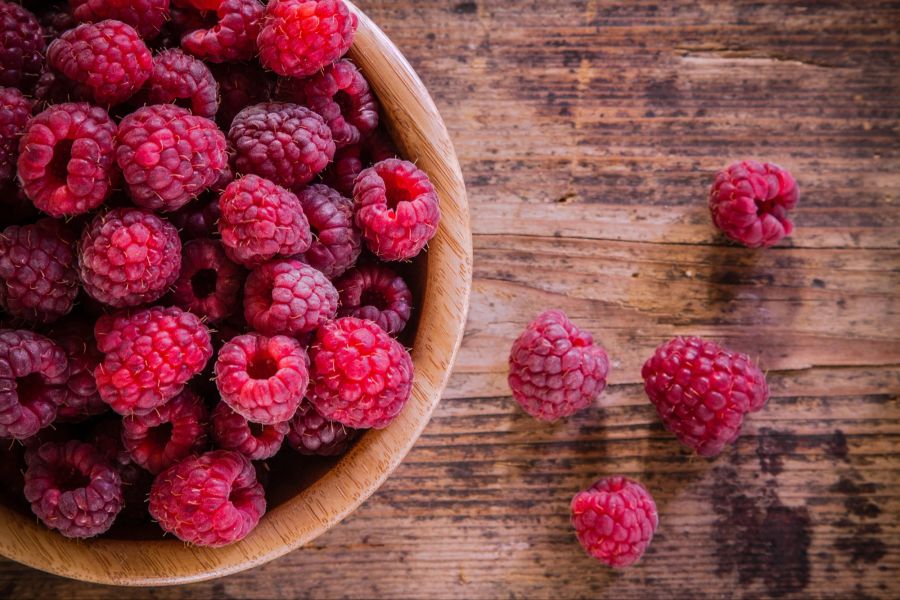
589 132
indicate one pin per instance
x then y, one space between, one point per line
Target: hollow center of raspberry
397 190
203 283
160 436
59 163
262 366
29 387
257 430
68 478
372 297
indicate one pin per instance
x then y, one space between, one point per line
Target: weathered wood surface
589 132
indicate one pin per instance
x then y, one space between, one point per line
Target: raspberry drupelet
702 391
21 47
288 297
67 159
342 96
614 520
181 79
231 431
336 243
312 434
146 16
15 112
209 500
209 284
555 369
750 203
233 37
376 293
81 400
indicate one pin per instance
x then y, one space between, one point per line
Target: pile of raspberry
201 258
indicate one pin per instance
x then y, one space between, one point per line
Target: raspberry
555 369
108 57
362 377
286 143
750 203
67 159
300 37
376 293
167 434
128 257
185 81
350 161
52 88
55 20
169 156
312 434
21 46
72 488
261 220
81 397
150 355
240 86
262 379
336 243
209 500
146 16
33 373
197 219
106 437
233 37
396 209
615 520
37 269
288 297
702 391
233 432
209 284
342 96
15 111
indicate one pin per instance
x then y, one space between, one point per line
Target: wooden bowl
420 134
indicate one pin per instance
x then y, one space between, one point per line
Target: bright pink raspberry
15 112
150 355
396 209
285 143
72 488
21 46
262 378
169 156
146 16
82 400
128 257
108 57
376 293
615 520
261 220
233 37
231 431
702 391
240 86
33 374
555 369
362 377
350 161
67 159
181 79
209 284
750 202
300 37
37 271
342 96
209 500
167 434
288 297
337 243
312 434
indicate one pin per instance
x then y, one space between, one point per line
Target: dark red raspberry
286 143
342 96
209 500
106 437
233 37
21 46
146 16
300 37
288 297
376 293
231 431
312 434
166 434
350 161
198 219
72 488
81 399
362 377
240 86
169 156
702 391
33 373
128 257
201 5
263 379
555 369
150 355
615 520
261 220
750 202
209 284
55 20
183 80
52 88
67 159
337 242
396 209
37 270
108 57
15 112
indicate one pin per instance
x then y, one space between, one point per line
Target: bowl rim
422 136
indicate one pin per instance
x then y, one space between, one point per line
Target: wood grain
588 134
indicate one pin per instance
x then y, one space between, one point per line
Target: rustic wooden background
588 132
